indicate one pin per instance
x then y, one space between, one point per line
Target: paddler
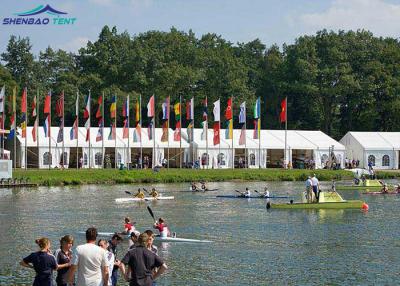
162 227
139 194
128 226
398 189
266 193
194 188
246 193
154 193
385 189
203 186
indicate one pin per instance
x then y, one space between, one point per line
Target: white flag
2 97
242 114
216 111
77 104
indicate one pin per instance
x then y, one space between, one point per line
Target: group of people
350 164
141 195
247 193
312 189
195 188
96 262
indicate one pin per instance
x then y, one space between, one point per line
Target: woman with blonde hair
42 262
63 257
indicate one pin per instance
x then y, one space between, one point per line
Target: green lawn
112 176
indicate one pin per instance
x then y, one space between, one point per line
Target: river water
251 246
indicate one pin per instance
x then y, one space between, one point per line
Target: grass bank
111 176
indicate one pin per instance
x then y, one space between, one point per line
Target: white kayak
162 239
160 198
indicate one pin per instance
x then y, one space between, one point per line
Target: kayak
162 239
381 193
201 191
125 200
353 204
258 197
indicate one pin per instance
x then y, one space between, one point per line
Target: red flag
47 102
125 132
177 133
59 105
228 111
35 126
100 102
216 133
34 106
23 101
282 116
164 136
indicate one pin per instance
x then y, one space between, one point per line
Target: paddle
129 193
240 193
145 190
151 213
261 195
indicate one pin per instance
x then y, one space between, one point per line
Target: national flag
100 103
33 106
77 104
177 111
47 103
86 111
177 132
73 134
189 131
2 98
23 125
35 127
137 133
164 136
87 125
228 111
137 109
60 136
242 114
125 108
216 138
257 123
113 106
112 135
23 100
12 127
46 126
190 109
150 130
242 138
205 111
150 107
99 136
59 105
165 109
216 111
257 109
229 129
125 130
204 132
282 115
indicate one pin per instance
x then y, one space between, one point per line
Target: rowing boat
160 198
327 200
162 239
251 197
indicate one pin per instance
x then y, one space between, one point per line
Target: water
252 246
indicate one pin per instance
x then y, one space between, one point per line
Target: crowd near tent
304 149
382 149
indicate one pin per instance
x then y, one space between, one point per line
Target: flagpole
233 155
168 108
259 133
51 155
15 126
154 133
2 124
63 125
192 114
140 122
115 141
286 163
90 115
208 157
26 130
129 146
77 127
102 129
245 136
37 127
180 131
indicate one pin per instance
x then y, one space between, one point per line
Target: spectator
112 247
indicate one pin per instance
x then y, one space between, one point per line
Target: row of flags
99 115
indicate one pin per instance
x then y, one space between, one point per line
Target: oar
151 213
145 190
239 192
261 195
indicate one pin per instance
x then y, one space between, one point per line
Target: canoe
126 200
352 204
380 193
162 239
258 197
201 191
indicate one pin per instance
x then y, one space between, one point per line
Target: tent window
98 158
85 159
221 159
205 159
64 158
371 158
47 159
252 159
386 160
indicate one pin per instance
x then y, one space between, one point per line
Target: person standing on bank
90 261
42 262
63 257
141 263
315 187
309 190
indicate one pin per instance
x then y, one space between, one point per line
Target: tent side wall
354 150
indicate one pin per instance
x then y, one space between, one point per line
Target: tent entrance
302 159
275 158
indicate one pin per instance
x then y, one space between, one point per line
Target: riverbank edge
112 176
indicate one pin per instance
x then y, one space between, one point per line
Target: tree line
334 81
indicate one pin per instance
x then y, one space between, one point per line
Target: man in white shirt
90 261
315 186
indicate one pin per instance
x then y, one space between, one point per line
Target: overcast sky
272 21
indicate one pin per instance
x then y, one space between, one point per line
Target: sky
271 21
